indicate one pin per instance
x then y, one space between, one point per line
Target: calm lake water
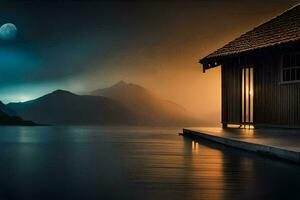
134 163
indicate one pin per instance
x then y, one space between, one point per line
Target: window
291 68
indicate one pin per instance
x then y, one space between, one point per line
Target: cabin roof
282 29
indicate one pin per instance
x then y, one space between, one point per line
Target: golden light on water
195 146
208 170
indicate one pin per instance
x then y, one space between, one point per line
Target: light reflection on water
133 163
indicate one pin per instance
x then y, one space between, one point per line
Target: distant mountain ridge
64 107
6 119
121 104
7 110
147 106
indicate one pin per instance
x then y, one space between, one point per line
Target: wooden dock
280 143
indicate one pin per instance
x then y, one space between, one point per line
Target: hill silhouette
7 110
149 108
121 104
6 119
63 107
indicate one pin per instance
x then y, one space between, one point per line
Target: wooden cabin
260 73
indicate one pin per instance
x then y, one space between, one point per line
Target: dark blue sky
55 42
84 45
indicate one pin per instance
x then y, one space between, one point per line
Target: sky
81 46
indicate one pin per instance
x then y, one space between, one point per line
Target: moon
8 31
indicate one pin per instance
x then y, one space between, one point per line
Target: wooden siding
275 103
231 93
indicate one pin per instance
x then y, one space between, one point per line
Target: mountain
5 119
63 107
7 110
120 104
149 108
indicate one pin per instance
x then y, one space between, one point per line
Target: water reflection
221 175
133 163
228 173
206 171
195 146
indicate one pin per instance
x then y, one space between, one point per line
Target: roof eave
209 62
